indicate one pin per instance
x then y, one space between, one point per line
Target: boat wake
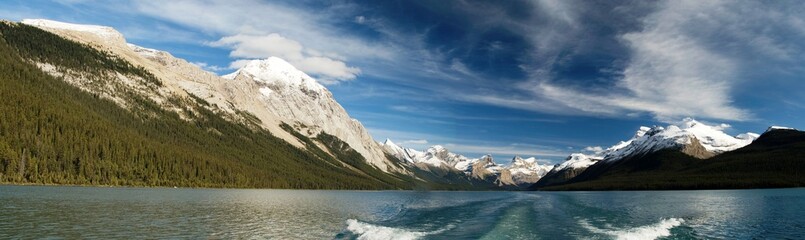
653 231
366 231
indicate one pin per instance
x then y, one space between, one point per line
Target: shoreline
398 190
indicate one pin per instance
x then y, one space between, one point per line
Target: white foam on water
653 231
366 231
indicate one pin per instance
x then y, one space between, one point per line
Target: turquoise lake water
98 212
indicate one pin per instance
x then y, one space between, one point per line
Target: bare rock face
505 178
695 149
483 169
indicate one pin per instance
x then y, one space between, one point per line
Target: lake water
97 212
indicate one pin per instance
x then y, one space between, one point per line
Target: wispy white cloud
306 39
685 60
415 141
594 149
432 112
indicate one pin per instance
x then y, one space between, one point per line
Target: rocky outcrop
485 168
695 149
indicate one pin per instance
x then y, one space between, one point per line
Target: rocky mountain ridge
519 172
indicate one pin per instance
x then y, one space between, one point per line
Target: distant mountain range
517 174
82 106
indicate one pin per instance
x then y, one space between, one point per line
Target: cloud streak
686 58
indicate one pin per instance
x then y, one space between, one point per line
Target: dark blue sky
535 78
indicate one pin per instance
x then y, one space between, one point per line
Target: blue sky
534 78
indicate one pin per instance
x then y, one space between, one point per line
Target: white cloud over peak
260 29
328 70
594 149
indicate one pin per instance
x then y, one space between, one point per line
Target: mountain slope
55 129
775 159
300 101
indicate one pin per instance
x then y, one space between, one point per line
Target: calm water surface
95 212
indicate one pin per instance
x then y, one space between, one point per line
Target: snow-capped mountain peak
276 71
692 137
647 140
578 160
397 151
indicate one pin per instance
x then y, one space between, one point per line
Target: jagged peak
437 148
518 160
642 131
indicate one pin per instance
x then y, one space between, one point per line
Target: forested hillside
54 133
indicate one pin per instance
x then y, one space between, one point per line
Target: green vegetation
54 133
41 46
774 160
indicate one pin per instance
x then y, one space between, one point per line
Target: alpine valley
81 106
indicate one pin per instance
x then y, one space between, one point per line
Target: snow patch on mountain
779 128
103 31
145 52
